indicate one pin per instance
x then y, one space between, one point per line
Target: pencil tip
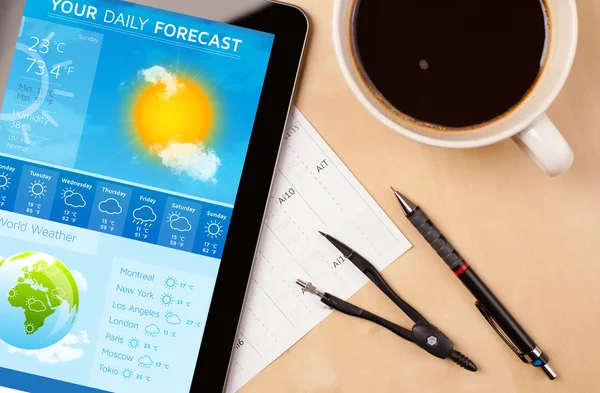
324 234
407 206
393 189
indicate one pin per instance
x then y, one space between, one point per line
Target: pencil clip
498 330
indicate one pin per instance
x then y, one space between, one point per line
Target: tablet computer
137 148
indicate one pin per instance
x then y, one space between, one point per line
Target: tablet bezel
290 27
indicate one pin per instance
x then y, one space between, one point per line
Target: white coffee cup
527 124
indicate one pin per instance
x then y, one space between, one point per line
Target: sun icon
37 189
4 181
67 192
30 299
134 343
170 282
12 293
127 373
166 299
30 328
172 217
173 109
214 229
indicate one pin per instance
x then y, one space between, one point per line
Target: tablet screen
123 134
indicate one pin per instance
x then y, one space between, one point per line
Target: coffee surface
451 63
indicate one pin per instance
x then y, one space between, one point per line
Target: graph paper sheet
312 191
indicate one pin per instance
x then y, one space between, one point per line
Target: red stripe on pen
461 269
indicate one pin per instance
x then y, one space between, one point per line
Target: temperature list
48 91
151 326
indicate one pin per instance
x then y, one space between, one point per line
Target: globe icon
39 300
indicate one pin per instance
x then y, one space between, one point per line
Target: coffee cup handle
545 146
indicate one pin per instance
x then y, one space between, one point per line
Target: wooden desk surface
530 237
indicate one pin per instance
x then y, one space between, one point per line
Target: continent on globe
42 300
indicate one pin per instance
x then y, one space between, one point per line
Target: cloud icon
158 74
144 214
193 159
110 206
152 329
74 199
180 223
172 318
58 292
145 361
51 270
36 306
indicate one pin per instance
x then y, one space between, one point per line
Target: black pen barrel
471 280
490 307
498 312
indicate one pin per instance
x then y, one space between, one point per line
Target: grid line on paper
351 185
261 322
300 194
318 251
278 239
272 301
313 175
249 342
285 281
289 252
366 238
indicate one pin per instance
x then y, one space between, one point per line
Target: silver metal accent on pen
548 370
407 205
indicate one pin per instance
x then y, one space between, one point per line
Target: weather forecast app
72 204
123 135
36 191
9 171
49 90
112 200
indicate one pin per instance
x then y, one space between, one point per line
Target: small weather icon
37 189
12 293
51 271
179 222
172 318
110 206
4 181
144 215
72 198
36 306
145 361
134 342
127 373
214 229
166 299
152 330
58 293
170 282
30 328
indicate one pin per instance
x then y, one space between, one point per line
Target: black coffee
451 63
